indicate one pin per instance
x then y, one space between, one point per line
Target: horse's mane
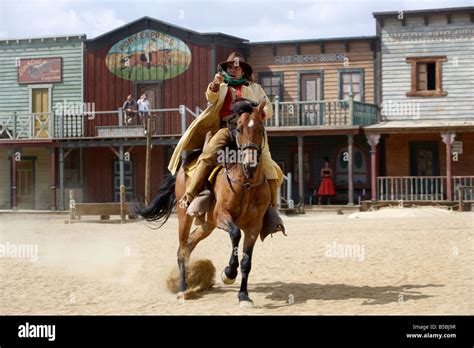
242 105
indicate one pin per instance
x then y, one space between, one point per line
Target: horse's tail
162 205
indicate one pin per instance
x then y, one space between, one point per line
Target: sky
254 20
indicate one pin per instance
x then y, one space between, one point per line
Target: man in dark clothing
130 107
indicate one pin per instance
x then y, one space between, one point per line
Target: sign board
148 55
456 147
120 132
39 70
310 58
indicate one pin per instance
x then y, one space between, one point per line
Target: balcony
172 122
325 113
17 126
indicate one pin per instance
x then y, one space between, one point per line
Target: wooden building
426 76
311 83
173 66
39 77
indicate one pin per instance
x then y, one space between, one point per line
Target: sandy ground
393 261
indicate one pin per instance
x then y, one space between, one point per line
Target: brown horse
242 196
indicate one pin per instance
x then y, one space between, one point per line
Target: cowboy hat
237 58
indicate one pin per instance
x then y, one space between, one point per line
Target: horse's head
250 134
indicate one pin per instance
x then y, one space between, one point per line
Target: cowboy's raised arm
212 92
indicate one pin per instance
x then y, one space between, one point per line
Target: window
271 84
426 78
351 82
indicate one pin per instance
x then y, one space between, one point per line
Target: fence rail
421 188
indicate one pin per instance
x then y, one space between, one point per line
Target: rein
246 185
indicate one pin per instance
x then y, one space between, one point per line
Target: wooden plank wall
98 172
360 57
15 96
109 92
457 71
4 179
398 153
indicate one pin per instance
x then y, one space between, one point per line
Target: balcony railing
174 121
421 188
23 126
334 113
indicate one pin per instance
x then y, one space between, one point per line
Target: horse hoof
181 297
227 280
246 304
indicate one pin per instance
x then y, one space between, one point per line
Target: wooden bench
104 210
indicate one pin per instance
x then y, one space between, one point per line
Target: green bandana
233 82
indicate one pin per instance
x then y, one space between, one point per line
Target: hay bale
200 275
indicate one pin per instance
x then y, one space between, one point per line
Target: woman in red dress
327 186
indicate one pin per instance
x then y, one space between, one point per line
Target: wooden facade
30 110
314 70
326 93
425 61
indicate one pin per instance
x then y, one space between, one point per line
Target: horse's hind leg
185 222
199 233
230 272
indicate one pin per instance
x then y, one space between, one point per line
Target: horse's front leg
246 266
225 222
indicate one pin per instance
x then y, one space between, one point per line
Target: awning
420 126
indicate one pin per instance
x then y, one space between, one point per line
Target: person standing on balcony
143 108
326 188
234 80
130 108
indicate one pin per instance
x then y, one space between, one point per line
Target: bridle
242 147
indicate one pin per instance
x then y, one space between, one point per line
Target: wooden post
14 198
350 171
53 178
373 140
72 206
147 163
300 173
448 138
122 203
121 166
61 178
461 198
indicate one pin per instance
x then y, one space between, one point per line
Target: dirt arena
394 261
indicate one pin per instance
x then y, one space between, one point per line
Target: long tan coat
209 120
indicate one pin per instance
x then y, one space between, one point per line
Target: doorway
424 158
41 110
310 90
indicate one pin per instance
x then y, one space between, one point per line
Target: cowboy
235 80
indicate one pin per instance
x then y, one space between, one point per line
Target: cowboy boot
272 222
196 182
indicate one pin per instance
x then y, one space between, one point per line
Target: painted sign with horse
148 55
